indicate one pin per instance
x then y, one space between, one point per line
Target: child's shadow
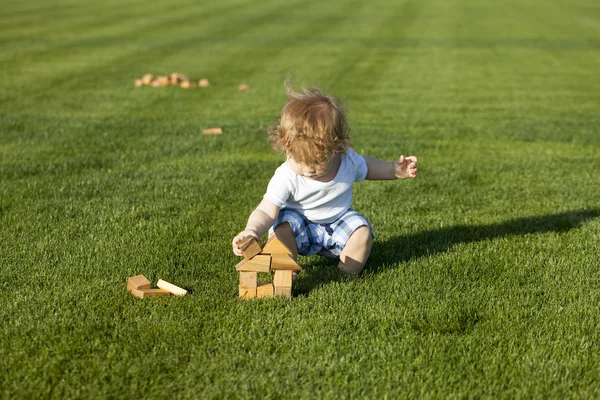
422 244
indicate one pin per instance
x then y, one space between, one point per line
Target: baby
307 203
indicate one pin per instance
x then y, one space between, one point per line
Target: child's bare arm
404 167
259 222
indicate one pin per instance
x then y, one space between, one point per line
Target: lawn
484 278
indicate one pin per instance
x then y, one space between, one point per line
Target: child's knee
284 227
285 234
359 244
362 236
356 252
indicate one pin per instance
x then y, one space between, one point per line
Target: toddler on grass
307 203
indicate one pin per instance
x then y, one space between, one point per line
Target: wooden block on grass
282 278
164 80
247 293
143 293
147 79
187 84
259 263
250 248
178 78
283 291
176 290
212 131
265 290
138 282
248 279
203 82
243 88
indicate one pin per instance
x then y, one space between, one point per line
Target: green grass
483 280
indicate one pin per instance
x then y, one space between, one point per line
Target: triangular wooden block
259 263
274 246
284 262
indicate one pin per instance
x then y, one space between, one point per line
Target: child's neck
332 171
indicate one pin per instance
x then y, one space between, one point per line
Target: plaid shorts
325 239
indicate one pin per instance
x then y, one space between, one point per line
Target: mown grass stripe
65 78
146 31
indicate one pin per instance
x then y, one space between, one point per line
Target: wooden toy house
274 256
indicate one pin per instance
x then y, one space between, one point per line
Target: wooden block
274 245
155 83
248 279
139 83
259 263
213 131
247 293
203 83
143 293
283 291
185 84
178 78
176 290
240 266
281 261
138 282
147 79
243 88
282 278
164 81
265 290
250 248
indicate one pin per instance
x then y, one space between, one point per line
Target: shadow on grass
428 243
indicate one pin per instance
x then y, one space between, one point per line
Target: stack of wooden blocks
274 256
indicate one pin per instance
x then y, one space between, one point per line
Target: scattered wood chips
174 79
213 131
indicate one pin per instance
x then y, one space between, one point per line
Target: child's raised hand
406 167
240 238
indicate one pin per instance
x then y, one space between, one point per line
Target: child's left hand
406 167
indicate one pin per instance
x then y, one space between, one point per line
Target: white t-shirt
320 202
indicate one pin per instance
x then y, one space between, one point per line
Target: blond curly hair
312 128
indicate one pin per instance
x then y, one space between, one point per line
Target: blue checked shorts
325 239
